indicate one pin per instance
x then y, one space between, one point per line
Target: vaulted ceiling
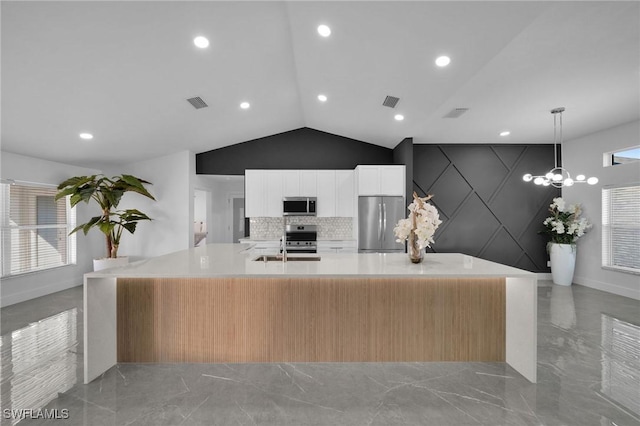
123 71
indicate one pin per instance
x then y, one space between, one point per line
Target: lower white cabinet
337 246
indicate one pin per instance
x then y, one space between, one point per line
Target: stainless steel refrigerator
377 216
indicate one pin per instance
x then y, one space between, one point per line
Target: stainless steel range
301 238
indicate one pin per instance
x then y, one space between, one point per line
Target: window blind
35 229
621 228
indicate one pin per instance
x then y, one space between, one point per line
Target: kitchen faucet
284 239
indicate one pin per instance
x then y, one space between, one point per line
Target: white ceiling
123 71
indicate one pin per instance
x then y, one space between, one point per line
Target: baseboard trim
544 276
12 299
608 287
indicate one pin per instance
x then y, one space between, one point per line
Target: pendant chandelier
558 176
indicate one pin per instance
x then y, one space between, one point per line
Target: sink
276 258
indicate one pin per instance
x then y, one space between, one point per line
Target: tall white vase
563 263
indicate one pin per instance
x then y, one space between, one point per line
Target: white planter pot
107 263
563 263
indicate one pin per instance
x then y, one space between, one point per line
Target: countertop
233 260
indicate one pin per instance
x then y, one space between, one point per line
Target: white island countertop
233 260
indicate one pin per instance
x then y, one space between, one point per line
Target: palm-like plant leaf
107 192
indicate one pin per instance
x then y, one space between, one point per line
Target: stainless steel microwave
299 206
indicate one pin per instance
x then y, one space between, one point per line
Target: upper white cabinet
380 180
254 193
299 183
291 182
274 192
326 193
334 189
345 193
308 183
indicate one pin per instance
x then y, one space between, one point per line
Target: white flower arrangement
423 220
565 225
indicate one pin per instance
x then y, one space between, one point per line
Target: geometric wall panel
479 164
428 164
449 191
494 214
503 248
471 228
509 153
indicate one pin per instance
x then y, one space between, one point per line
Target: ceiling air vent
456 112
197 102
390 101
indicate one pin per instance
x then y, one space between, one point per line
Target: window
35 229
621 228
624 156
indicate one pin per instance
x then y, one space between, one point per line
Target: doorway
200 231
237 221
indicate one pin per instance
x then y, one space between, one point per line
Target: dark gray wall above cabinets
303 148
403 154
487 210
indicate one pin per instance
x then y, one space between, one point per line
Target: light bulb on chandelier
558 176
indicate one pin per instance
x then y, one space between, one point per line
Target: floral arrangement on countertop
422 222
565 225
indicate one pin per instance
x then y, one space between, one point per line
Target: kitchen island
218 304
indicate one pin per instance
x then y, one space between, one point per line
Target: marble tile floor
588 374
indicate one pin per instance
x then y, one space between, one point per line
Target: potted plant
564 226
107 193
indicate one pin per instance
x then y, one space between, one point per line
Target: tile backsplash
329 228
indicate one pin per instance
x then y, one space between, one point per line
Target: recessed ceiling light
201 42
86 136
245 105
324 30
505 133
399 117
322 98
443 61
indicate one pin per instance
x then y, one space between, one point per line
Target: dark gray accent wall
303 148
487 210
403 154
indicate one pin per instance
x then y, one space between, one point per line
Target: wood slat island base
308 319
217 304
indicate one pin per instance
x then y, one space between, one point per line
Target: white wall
585 155
172 226
28 286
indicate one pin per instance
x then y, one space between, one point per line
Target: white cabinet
368 180
381 180
254 193
337 246
299 183
308 183
326 193
345 193
291 182
335 193
335 190
273 193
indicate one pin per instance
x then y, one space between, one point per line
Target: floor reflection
621 362
562 306
37 362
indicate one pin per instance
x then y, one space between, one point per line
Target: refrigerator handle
379 222
384 221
